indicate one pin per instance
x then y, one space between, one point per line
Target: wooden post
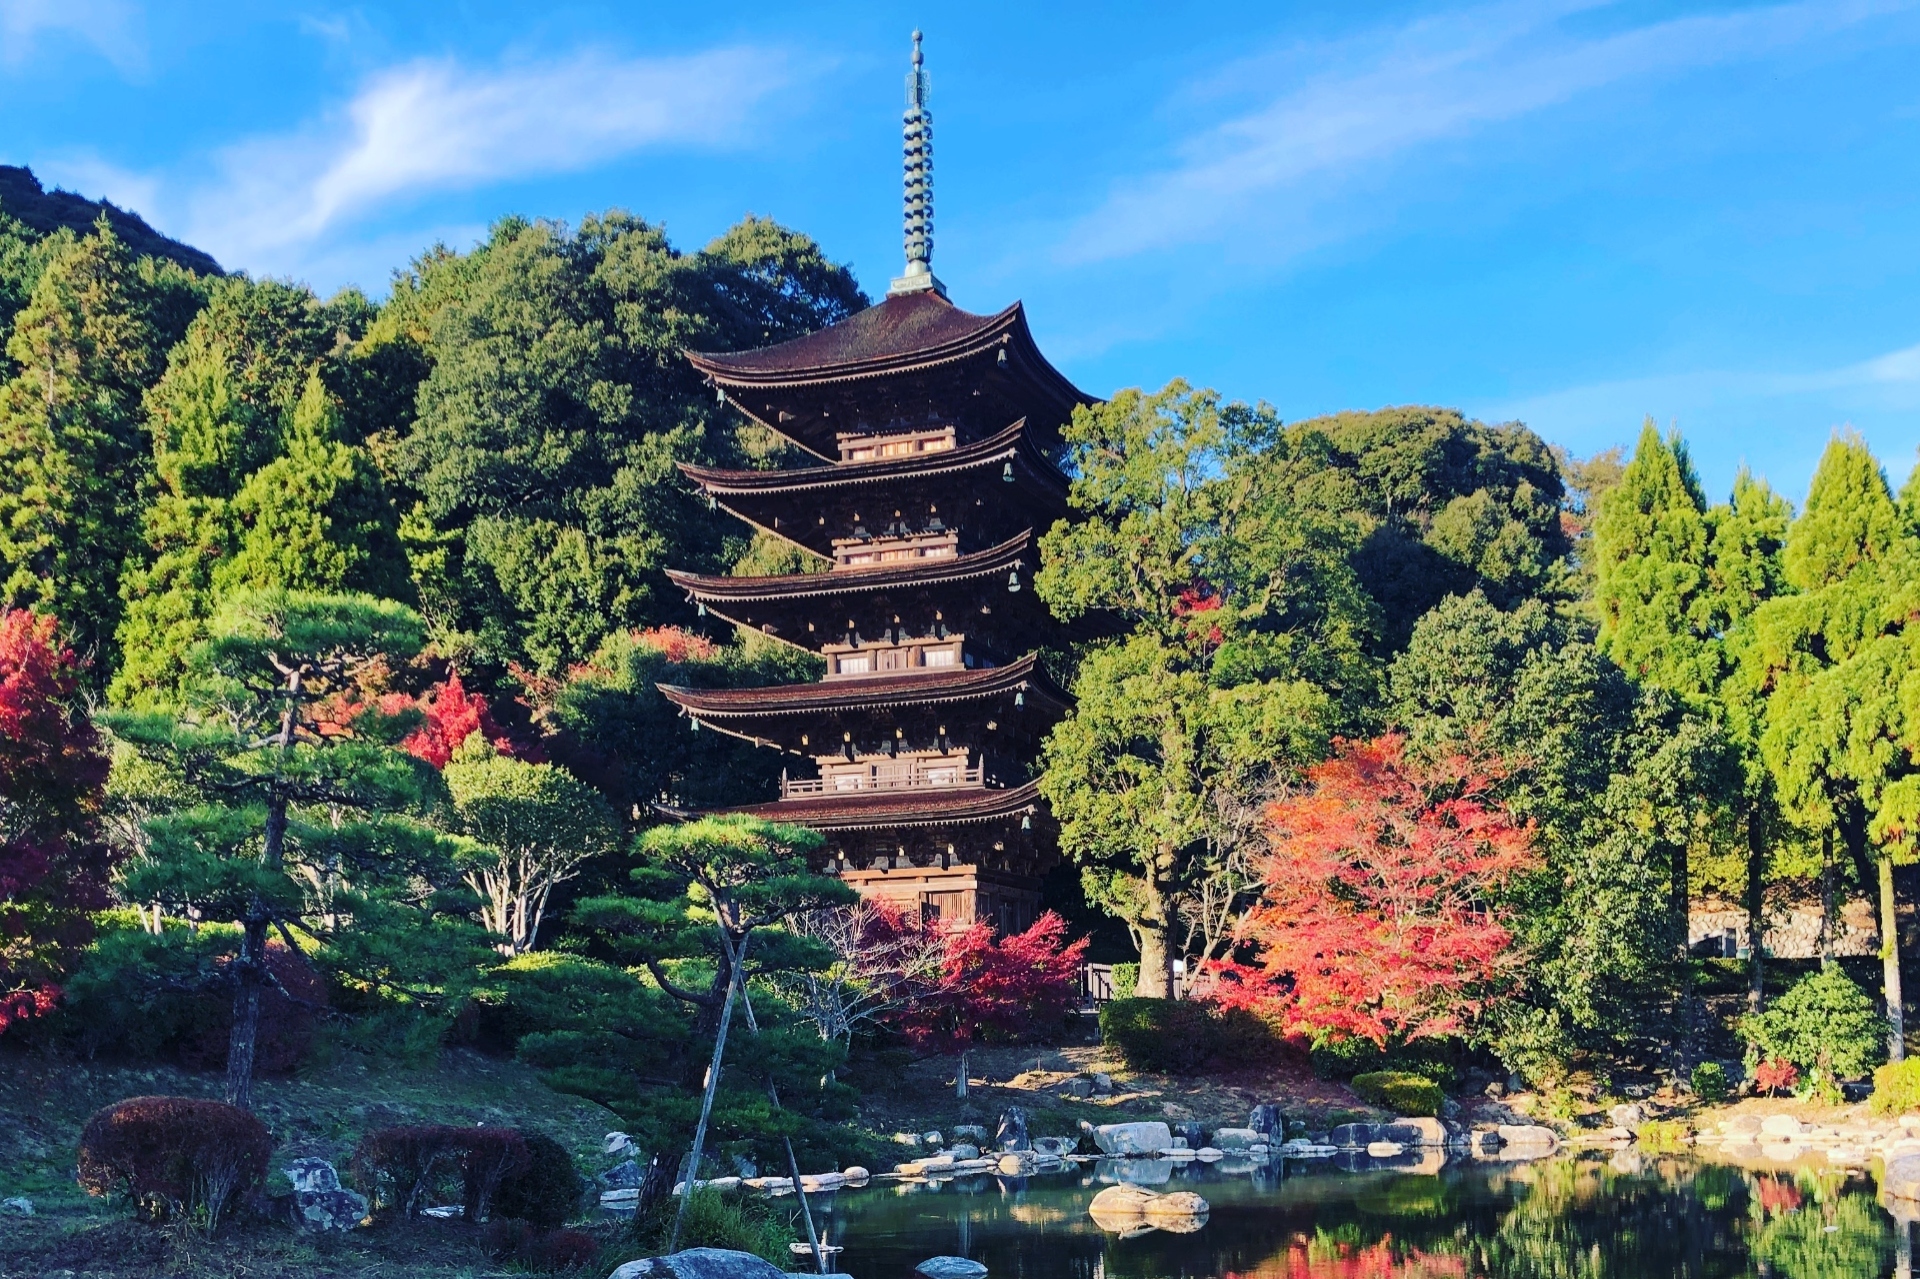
713 1085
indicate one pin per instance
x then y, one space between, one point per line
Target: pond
1581 1217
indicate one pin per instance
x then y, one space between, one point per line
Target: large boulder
973 1134
1901 1180
1055 1147
950 1268
1628 1115
1236 1138
1783 1126
1194 1134
318 1201
1528 1138
1010 1133
701 1263
1266 1118
1351 1136
1417 1131
1129 1209
1147 1138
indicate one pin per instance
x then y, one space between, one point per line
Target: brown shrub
173 1156
488 1157
397 1167
559 1250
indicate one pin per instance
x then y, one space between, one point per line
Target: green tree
540 475
294 794
1611 776
1837 665
92 336
1247 648
533 825
260 480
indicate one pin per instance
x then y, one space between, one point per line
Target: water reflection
1574 1218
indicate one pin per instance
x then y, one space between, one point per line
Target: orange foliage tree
1381 917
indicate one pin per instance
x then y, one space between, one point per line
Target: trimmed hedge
1179 1036
547 1191
174 1156
1896 1087
1400 1092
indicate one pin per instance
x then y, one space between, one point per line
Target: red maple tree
1006 989
1380 918
54 858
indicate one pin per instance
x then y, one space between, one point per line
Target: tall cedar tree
1665 617
1383 917
1246 651
1838 663
55 859
261 478
93 335
276 768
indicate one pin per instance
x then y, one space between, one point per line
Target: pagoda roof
883 810
810 506
815 719
907 340
915 593
868 692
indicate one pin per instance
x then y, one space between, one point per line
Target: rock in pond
950 1268
1128 1209
1901 1180
1146 1138
855 1172
1266 1119
1419 1131
1055 1147
1528 1139
973 1134
964 1150
1237 1138
701 1263
1011 1132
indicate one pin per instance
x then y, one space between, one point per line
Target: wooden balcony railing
894 778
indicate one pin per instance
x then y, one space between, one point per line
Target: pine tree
299 813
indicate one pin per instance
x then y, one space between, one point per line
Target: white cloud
114 27
439 125
1361 103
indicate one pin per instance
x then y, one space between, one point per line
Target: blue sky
1574 214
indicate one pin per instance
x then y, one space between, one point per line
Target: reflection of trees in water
1563 1219
1823 1232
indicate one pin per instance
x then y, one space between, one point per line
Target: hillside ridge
24 199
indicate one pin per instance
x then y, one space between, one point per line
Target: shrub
1778 1075
1896 1087
1178 1036
1823 1023
1343 1058
174 1156
1709 1081
488 1156
1664 1136
1126 980
400 1167
714 1220
1400 1092
547 1191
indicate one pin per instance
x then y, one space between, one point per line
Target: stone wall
1792 931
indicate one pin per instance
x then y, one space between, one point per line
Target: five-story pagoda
936 430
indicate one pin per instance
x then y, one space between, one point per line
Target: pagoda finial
917 133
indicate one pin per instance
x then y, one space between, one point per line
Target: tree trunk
1756 910
1155 931
1826 900
1890 965
1681 902
712 1086
250 966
